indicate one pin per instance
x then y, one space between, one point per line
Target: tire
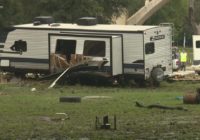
70 99
157 75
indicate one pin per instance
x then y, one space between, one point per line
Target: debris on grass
179 97
96 97
139 104
106 123
71 99
192 98
33 89
76 99
1 94
57 79
63 115
184 76
56 118
60 117
45 118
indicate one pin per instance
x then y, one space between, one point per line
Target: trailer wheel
157 75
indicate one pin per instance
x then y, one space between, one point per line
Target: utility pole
184 40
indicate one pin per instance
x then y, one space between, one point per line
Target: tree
22 11
135 5
195 15
175 12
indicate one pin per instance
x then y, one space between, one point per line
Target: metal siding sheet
37 43
133 47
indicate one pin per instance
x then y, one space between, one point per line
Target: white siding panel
37 43
133 47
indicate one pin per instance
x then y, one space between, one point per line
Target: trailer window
149 48
197 44
94 48
66 47
20 46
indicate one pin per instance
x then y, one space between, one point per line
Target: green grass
21 111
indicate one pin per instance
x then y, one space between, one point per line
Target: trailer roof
98 27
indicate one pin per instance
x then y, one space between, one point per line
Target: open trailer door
117 55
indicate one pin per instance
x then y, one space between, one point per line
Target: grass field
31 115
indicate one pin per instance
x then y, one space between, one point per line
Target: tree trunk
195 24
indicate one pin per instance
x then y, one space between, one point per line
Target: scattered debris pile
59 62
184 76
96 97
76 64
6 78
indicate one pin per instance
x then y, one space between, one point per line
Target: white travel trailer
196 49
129 51
196 53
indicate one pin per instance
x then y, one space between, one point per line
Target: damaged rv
115 51
196 52
196 49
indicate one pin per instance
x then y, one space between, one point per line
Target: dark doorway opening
66 47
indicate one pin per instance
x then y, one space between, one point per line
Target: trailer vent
43 20
36 23
87 21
